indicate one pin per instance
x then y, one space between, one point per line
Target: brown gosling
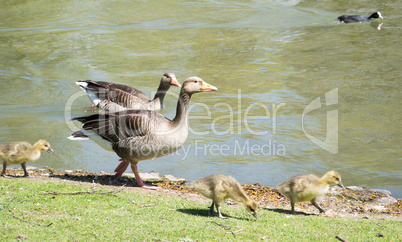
21 153
304 188
219 188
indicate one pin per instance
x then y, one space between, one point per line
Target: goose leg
25 169
121 168
139 181
317 206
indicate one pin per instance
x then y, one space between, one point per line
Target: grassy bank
30 210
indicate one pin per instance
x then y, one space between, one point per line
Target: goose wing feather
295 185
118 126
101 87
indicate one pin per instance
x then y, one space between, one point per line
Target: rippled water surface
288 74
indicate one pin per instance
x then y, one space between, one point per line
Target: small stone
173 179
379 208
381 234
385 201
152 177
355 188
129 175
21 236
382 192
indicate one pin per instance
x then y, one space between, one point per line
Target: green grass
128 215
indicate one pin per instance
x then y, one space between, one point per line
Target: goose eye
195 81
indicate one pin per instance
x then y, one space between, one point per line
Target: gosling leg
317 206
25 169
211 210
219 212
292 205
3 173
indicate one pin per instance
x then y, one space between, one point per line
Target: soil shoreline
353 202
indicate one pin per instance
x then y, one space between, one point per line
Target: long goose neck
36 147
182 107
238 194
323 181
160 94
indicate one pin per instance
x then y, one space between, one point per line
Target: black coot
358 18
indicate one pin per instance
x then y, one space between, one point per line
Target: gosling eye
46 145
336 178
195 81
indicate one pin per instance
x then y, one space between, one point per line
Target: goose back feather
118 97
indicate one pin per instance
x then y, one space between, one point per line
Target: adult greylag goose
137 135
117 97
21 153
219 188
304 188
359 18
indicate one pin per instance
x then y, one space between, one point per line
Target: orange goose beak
174 82
208 88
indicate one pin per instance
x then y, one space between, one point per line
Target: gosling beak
341 185
255 215
208 88
50 150
174 82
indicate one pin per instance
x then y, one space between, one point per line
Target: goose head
252 207
195 84
333 177
170 79
43 145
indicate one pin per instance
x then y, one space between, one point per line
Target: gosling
21 153
219 188
304 188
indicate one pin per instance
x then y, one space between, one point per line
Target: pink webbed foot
149 187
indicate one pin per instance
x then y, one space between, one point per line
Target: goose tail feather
78 135
91 94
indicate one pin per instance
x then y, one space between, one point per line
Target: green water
269 60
